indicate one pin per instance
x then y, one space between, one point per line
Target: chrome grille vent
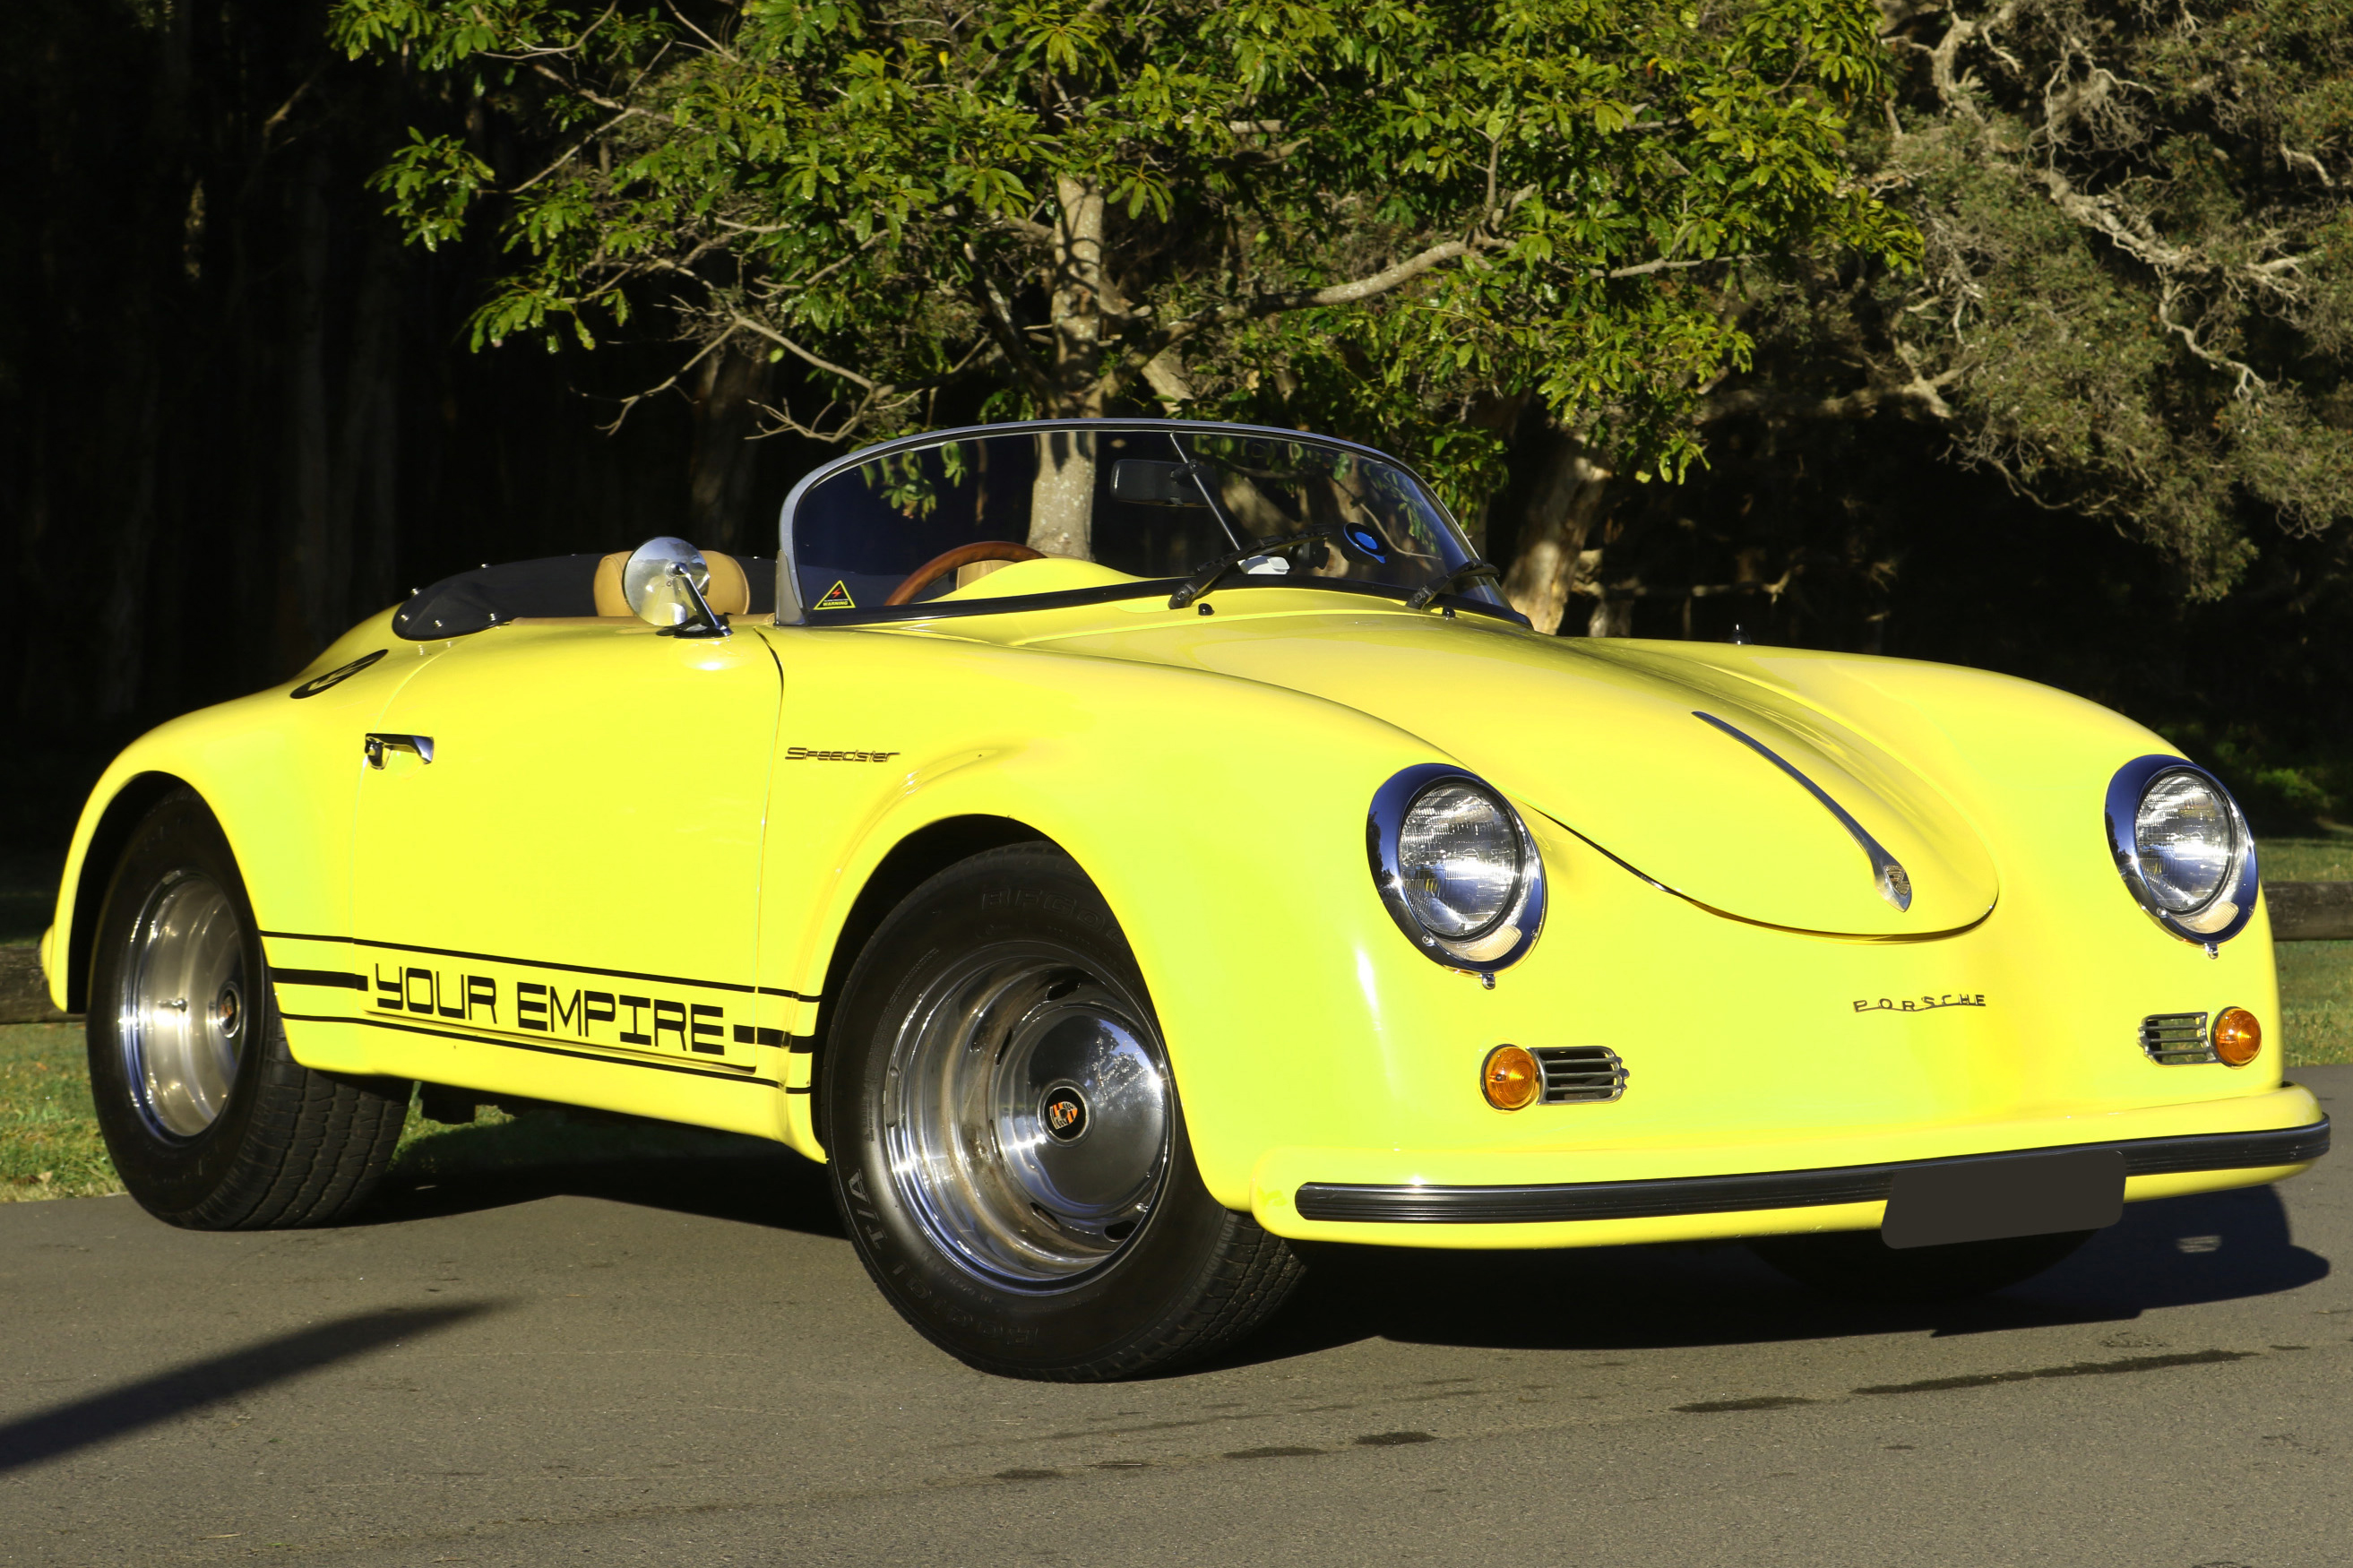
2175 1038
1573 1073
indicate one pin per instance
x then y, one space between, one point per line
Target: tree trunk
725 463
1563 506
1062 503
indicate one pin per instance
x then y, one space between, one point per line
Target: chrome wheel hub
1026 1116
182 1015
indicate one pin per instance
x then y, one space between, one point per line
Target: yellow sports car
1122 848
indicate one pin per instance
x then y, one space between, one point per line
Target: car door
557 847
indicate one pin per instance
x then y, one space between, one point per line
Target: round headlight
2182 849
2185 840
1459 861
1456 867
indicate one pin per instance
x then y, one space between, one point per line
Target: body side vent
1575 1073
2176 1039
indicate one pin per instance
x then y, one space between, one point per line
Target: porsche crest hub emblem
1064 1113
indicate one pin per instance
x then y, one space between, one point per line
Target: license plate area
1998 1195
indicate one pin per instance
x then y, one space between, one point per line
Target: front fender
1222 819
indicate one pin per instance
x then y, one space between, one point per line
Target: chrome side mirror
664 581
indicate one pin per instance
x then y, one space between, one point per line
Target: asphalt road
685 1364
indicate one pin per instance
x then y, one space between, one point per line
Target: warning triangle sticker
837 598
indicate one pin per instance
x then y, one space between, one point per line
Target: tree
2137 294
1362 214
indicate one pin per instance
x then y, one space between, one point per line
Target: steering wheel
939 566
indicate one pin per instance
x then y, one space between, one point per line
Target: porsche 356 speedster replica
1120 850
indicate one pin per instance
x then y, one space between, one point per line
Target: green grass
2316 978
2316 996
49 1146
2328 860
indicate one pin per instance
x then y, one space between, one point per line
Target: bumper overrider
1802 1196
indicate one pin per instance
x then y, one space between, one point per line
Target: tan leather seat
729 592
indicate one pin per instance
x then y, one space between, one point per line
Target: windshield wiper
1420 597
1202 581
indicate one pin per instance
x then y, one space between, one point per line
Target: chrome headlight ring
2223 914
1498 942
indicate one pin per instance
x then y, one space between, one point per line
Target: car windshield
1151 503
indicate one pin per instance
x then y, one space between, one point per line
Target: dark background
238 413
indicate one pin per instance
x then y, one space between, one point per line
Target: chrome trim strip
1769 1189
2208 925
1887 873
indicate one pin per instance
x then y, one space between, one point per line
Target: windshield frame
791 612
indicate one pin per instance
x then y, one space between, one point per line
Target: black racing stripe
542 1050
539 963
1662 1196
319 977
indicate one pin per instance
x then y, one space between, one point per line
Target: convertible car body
1124 848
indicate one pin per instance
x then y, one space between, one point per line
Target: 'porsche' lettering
1920 1004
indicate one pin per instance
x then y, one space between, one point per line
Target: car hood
1607 743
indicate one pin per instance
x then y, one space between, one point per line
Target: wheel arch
913 860
108 839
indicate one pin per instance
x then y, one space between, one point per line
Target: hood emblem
1887 873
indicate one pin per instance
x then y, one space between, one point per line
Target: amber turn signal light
2238 1038
1510 1078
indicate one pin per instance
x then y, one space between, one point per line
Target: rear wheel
1006 1144
1857 1265
211 1122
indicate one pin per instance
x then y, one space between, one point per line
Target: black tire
1856 1265
211 1122
984 983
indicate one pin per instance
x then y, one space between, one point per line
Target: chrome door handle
377 745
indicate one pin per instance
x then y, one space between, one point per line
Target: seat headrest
728 594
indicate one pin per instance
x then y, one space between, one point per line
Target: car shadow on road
780 1190
2171 1252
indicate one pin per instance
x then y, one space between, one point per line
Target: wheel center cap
1064 1113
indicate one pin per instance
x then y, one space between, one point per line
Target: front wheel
211 1122
1006 1144
1859 1266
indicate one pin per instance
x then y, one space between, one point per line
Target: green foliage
1360 214
2136 299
